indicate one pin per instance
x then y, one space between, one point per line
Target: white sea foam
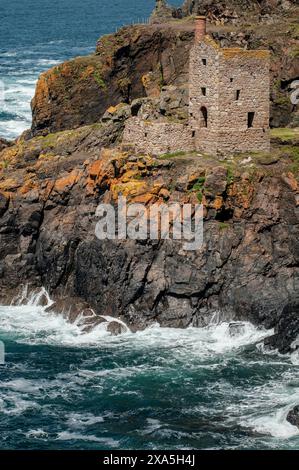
20 88
79 421
27 81
71 436
274 424
28 320
48 62
19 85
21 385
14 404
12 129
264 410
9 54
36 434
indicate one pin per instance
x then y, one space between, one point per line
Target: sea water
198 388
35 36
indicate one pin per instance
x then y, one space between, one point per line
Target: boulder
91 322
286 331
71 308
293 416
118 113
116 328
216 182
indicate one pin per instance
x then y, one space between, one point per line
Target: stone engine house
229 104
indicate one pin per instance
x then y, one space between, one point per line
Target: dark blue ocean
61 388
37 34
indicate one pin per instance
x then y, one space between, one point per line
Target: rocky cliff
247 269
132 63
138 60
228 10
53 178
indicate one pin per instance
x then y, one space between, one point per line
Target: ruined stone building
229 104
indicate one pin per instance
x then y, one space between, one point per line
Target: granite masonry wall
204 93
229 104
229 98
158 137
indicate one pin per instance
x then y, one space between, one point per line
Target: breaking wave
28 320
211 387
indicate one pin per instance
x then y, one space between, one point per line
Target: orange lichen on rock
67 182
131 188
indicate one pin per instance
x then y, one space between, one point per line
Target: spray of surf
27 320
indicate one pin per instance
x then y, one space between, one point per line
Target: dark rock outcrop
116 328
293 416
286 330
139 60
125 65
4 143
248 268
70 308
229 10
162 12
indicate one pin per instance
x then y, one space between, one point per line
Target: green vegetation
198 188
199 184
295 53
124 85
199 196
223 226
4 164
230 176
98 78
285 134
295 31
282 100
161 76
292 152
166 156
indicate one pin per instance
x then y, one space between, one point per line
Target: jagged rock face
137 61
233 9
162 12
247 268
287 330
4 143
79 91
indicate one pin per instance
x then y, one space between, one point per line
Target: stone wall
158 137
229 106
249 140
229 84
204 74
244 87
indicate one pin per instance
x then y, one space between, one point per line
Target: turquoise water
161 388
36 35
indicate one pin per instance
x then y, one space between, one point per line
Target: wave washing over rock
211 387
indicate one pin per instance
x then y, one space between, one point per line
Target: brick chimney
200 28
